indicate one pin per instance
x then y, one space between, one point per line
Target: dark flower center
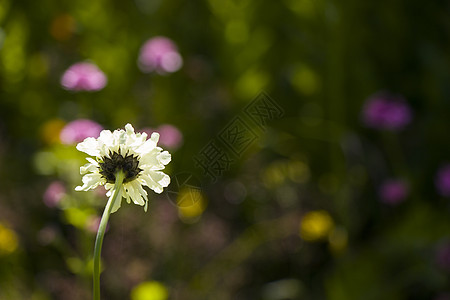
129 165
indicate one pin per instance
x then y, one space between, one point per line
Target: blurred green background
297 215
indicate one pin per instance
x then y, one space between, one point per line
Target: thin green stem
101 232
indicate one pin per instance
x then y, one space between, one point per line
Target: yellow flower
150 290
316 225
8 240
191 203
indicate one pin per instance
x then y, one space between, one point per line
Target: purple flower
393 191
169 135
54 193
83 76
388 112
159 54
76 131
443 256
442 181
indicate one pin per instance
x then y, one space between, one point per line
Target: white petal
106 137
156 180
133 191
90 181
155 137
129 129
164 157
89 167
106 142
133 194
151 183
89 146
109 187
148 146
150 160
92 161
141 190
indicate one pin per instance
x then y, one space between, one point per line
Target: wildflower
316 225
54 193
83 76
76 131
150 290
159 54
393 191
8 240
139 159
171 137
442 181
388 112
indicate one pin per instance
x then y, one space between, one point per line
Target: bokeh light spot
8 240
50 131
151 290
236 32
191 203
62 27
305 80
316 225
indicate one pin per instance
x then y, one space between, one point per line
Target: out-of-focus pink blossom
442 180
54 193
393 191
76 131
92 224
160 55
169 135
83 76
387 112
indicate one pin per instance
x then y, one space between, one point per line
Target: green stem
101 233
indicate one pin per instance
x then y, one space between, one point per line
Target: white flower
140 160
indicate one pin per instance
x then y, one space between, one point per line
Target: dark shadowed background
309 143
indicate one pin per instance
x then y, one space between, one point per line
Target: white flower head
140 160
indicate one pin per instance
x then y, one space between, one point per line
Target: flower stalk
120 176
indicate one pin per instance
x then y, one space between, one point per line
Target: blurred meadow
309 142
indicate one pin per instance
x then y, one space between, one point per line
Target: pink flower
388 112
92 224
83 76
169 135
54 193
76 131
159 54
393 191
442 181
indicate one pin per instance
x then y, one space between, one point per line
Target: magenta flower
54 193
169 135
83 76
76 131
393 191
160 55
388 112
442 181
